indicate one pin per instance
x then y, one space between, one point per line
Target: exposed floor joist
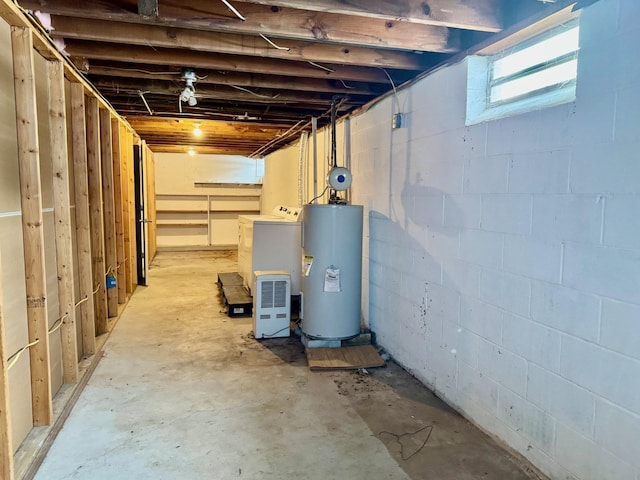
279 61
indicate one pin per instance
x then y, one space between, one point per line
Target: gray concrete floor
184 392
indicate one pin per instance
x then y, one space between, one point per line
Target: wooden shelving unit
201 211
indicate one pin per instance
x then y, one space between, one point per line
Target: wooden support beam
118 209
148 8
32 223
83 222
108 86
133 252
108 193
96 213
476 15
222 62
274 22
149 72
6 441
250 45
62 217
126 210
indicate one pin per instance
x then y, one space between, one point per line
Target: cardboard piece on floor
343 358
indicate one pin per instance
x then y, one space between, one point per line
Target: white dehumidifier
271 304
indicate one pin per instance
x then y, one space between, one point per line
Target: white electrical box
271 304
270 242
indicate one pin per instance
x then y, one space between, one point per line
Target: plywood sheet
343 358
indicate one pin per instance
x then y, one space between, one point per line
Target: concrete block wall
503 259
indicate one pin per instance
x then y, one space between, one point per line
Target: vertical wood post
108 192
32 224
124 183
83 228
118 207
133 226
95 213
62 217
6 443
129 234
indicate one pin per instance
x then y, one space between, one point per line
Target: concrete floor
184 392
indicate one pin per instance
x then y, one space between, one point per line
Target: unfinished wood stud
95 214
83 227
62 217
108 194
6 443
32 223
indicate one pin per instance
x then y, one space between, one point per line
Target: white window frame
480 82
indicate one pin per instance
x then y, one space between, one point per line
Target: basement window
535 74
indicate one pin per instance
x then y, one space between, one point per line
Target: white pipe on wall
303 145
347 152
314 132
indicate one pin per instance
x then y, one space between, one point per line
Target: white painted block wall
504 258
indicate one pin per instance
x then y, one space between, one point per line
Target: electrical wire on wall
398 108
13 359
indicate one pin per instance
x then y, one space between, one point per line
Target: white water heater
331 271
271 304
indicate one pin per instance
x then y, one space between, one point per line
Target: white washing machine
270 242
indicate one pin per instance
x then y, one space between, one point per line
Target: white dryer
270 242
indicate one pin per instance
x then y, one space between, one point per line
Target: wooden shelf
200 196
238 212
198 214
227 185
161 223
180 210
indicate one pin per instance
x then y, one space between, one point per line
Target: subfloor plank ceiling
260 69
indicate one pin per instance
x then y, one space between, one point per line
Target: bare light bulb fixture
188 95
196 129
191 152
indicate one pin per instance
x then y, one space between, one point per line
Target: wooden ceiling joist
277 62
246 45
221 62
272 21
275 82
480 15
219 92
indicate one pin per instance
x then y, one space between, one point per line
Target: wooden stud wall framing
83 227
95 213
6 443
62 216
118 194
102 163
133 262
109 208
126 223
32 223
